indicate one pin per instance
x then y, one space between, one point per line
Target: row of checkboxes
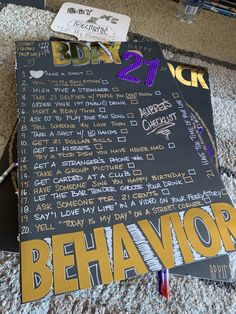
208 200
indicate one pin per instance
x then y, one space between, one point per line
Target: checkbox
98 146
165 191
188 179
207 200
130 115
157 92
124 131
89 72
121 139
175 95
150 157
171 145
105 82
191 172
102 109
223 192
133 123
131 165
134 102
137 172
115 89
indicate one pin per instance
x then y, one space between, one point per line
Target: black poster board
199 97
115 178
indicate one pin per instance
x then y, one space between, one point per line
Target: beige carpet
213 35
138 295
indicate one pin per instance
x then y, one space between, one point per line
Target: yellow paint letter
179 75
198 76
122 240
227 224
34 257
60 53
85 256
193 235
164 247
80 54
172 69
61 261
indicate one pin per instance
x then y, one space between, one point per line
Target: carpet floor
138 295
213 35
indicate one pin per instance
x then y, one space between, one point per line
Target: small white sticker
191 10
91 24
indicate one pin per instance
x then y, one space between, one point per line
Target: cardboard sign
91 24
114 175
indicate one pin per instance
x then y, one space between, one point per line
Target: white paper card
91 24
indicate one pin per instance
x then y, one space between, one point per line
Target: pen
6 173
163 278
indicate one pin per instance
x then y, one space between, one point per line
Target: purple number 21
138 62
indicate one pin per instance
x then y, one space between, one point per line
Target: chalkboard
115 179
199 97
